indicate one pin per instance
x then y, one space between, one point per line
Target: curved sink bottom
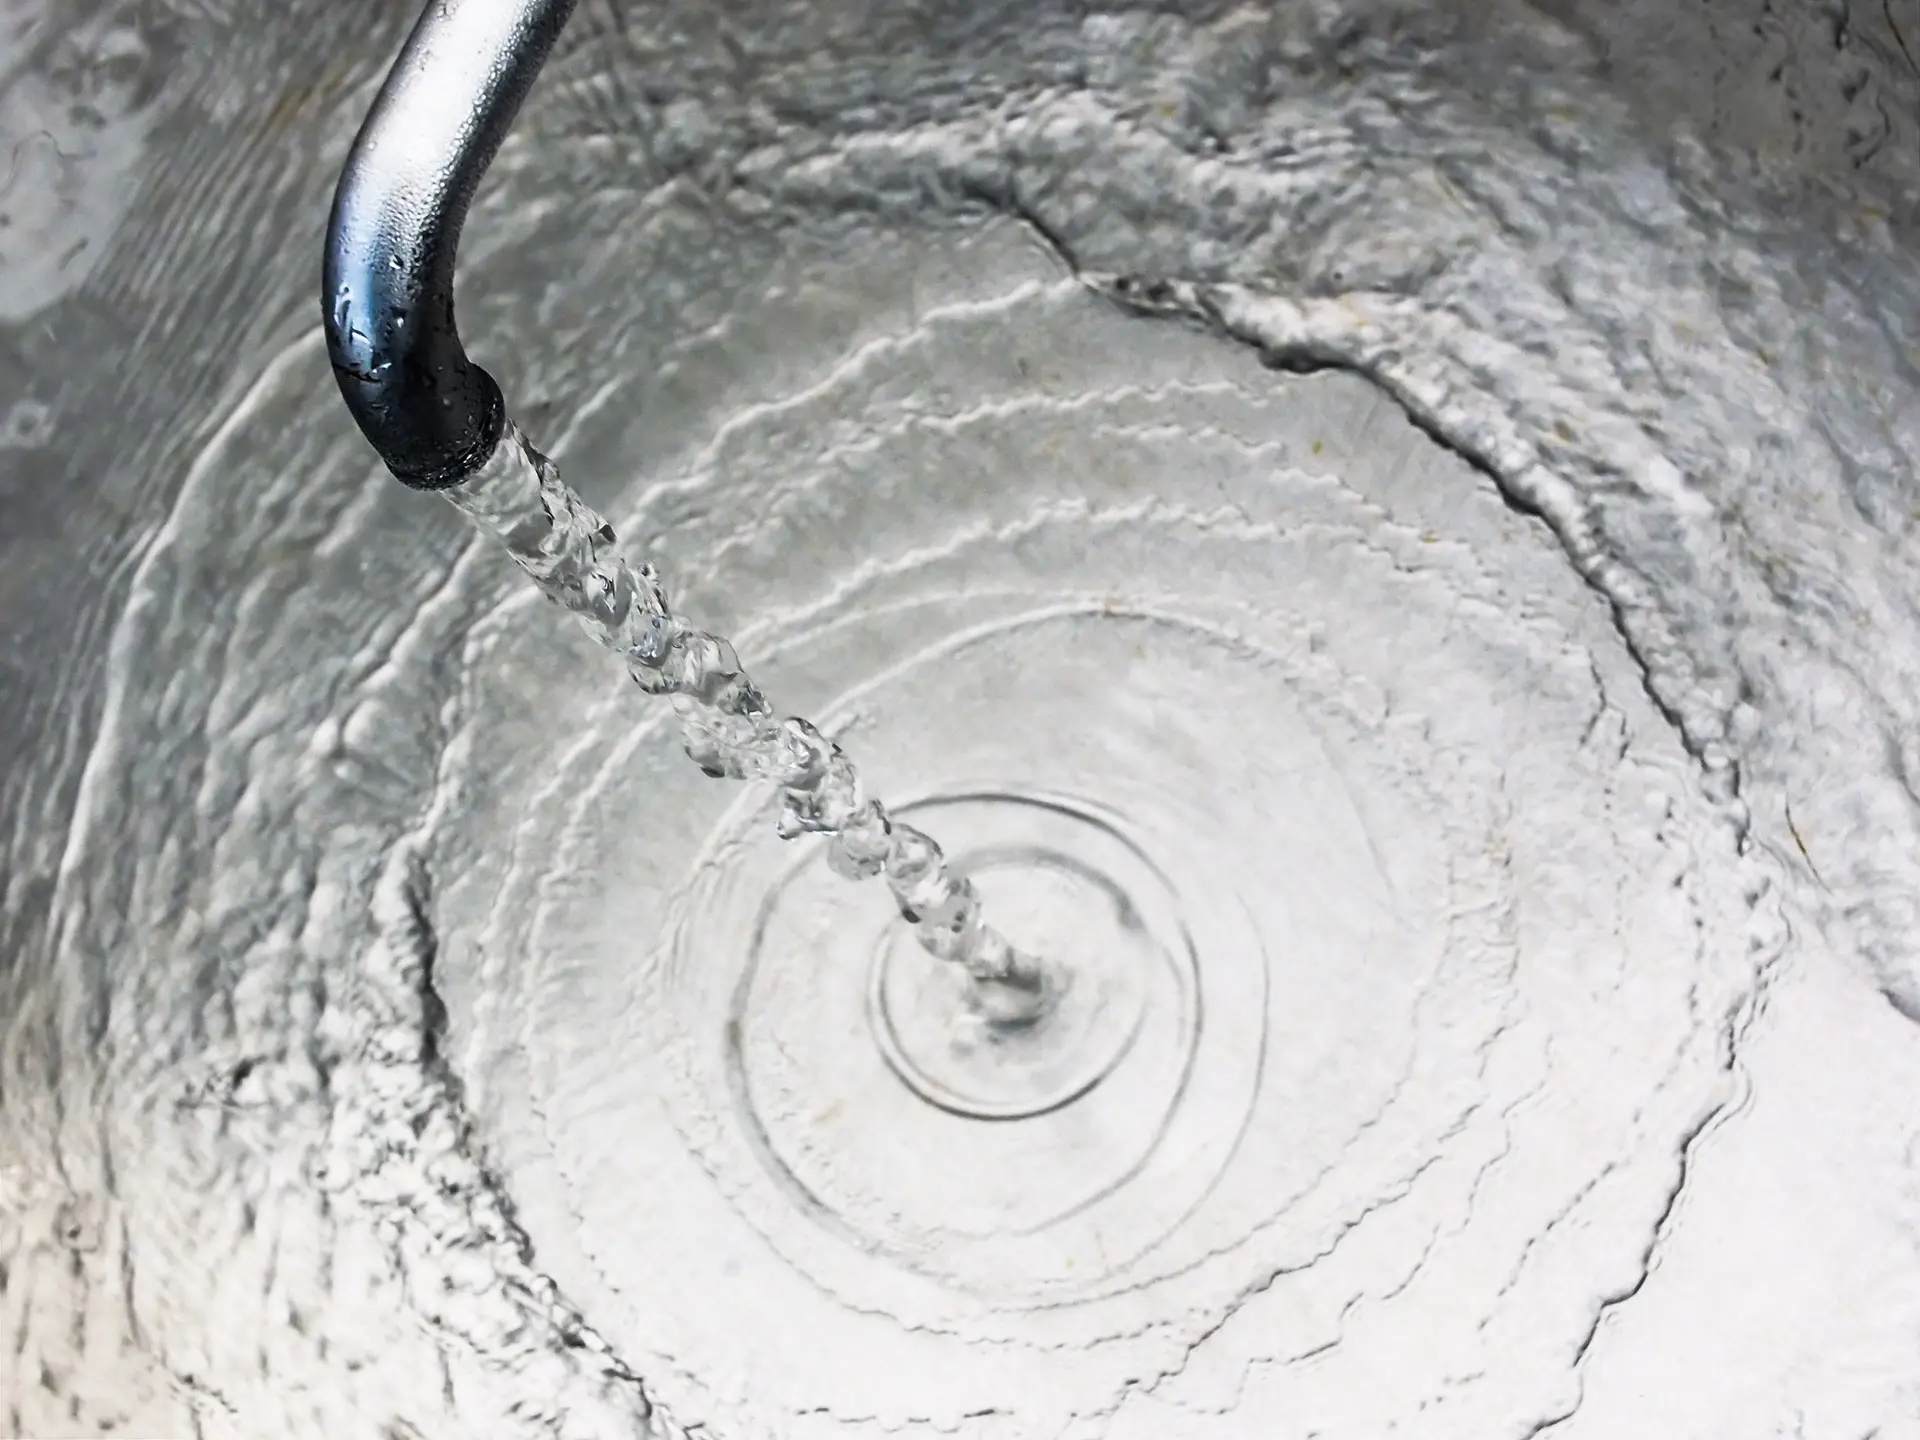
1515 717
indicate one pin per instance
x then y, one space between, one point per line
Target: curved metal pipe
387 286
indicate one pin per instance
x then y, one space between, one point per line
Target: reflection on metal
387 294
370 966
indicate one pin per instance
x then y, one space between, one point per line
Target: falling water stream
1387 569
729 728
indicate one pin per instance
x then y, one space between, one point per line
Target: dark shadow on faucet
387 289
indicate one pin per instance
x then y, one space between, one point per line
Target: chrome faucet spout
387 288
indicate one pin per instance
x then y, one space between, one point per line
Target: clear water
729 728
1381 544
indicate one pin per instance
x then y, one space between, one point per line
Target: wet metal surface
1444 490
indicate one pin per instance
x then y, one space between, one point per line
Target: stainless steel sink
1471 454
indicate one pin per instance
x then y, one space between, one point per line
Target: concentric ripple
1106 920
1309 753
1410 763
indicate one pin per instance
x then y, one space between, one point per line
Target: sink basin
1406 514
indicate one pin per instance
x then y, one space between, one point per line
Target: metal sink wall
1598 319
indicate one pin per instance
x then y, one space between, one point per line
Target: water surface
1451 525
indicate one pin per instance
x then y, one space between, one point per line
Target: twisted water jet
731 731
